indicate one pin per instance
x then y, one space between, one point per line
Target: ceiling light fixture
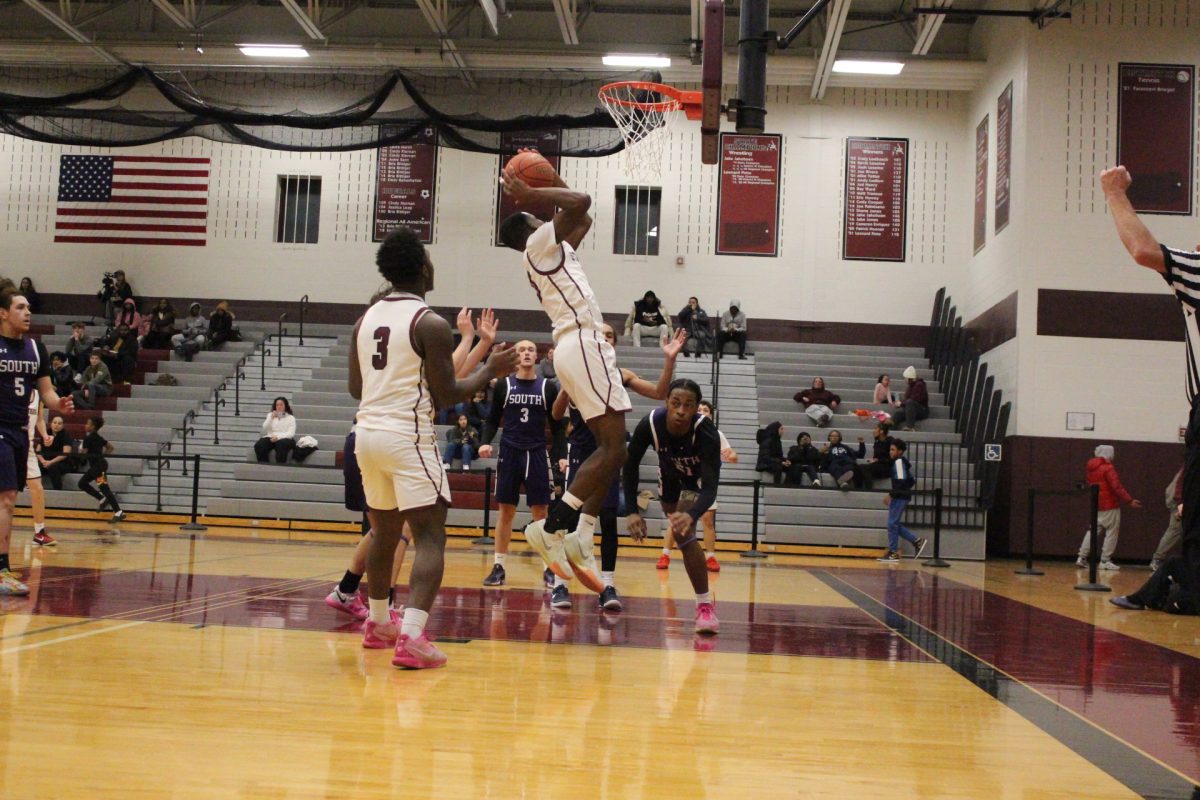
273 50
636 61
852 67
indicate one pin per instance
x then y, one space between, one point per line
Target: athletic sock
391 596
606 578
4 567
666 551
559 582
350 583
414 622
703 598
564 514
500 558
710 553
571 501
38 527
379 611
586 527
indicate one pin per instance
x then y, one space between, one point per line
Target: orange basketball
532 168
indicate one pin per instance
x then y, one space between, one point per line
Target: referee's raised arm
1141 244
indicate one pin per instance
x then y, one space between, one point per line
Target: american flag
132 200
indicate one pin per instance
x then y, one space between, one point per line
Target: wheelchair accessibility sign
991 452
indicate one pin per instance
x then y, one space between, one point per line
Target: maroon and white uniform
396 443
585 362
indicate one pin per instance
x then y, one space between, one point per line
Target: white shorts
33 470
587 368
398 472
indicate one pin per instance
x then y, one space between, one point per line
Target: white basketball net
644 116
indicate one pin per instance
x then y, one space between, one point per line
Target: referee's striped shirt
1183 273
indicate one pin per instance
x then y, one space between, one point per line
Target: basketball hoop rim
680 99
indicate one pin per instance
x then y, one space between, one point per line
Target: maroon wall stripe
995 326
1109 315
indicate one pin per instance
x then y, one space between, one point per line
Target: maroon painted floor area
462 613
1143 693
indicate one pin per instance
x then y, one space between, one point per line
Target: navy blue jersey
22 362
580 437
691 461
521 407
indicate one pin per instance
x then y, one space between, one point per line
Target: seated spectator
162 326
478 409
96 382
194 335
545 367
648 320
819 403
119 351
462 440
61 374
803 459
879 465
31 295
733 329
54 452
1166 590
883 392
914 406
694 320
221 326
278 433
114 293
841 462
770 451
128 315
79 347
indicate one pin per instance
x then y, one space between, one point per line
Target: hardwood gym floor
155 664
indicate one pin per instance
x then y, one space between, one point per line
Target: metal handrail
218 402
279 340
186 429
303 308
262 361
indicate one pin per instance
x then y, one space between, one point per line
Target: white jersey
556 275
395 396
35 404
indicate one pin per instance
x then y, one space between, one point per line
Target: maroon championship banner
1004 109
875 216
748 195
1155 135
405 182
981 166
545 142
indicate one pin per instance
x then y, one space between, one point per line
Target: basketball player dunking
24 366
520 405
400 370
586 364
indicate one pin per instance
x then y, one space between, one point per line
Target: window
636 225
298 209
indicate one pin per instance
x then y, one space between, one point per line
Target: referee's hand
1115 180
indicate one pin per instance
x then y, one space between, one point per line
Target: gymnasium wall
1095 332
807 281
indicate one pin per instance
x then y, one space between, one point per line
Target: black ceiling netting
141 106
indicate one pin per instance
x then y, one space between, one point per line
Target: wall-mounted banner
981 167
548 143
875 217
748 195
1155 135
405 182
1004 128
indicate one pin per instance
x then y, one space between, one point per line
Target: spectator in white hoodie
279 433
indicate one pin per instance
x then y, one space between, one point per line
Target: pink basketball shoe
706 619
355 607
417 653
380 637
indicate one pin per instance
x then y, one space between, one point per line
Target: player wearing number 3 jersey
520 406
401 370
24 367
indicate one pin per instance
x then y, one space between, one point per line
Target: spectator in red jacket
1102 473
915 405
819 403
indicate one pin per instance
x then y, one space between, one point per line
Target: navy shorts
518 468
356 499
576 455
14 455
